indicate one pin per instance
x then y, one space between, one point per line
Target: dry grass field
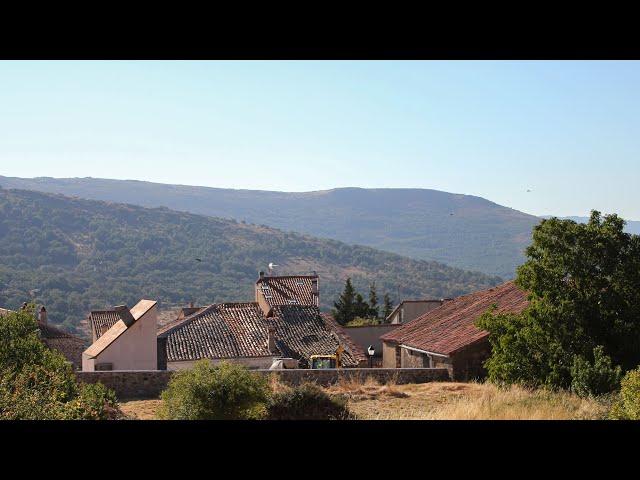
440 401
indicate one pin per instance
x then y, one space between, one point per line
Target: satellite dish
271 265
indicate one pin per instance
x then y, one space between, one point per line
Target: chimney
261 274
125 314
190 304
271 339
314 286
42 316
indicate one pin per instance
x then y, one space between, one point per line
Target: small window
268 296
300 284
265 287
293 302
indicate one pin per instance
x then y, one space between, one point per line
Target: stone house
447 336
124 339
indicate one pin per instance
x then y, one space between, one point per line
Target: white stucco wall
135 349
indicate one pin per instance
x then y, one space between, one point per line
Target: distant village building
70 346
447 336
284 321
409 310
123 339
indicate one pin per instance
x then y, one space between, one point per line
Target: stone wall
150 383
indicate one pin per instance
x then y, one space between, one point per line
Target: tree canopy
584 312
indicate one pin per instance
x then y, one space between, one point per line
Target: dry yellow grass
370 400
473 401
140 409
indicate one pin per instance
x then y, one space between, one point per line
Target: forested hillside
460 230
74 255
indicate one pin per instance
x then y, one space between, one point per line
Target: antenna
271 266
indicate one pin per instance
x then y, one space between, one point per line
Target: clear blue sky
569 131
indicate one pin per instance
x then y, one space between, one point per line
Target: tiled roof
127 318
239 330
225 330
103 320
301 332
69 345
356 350
450 327
288 290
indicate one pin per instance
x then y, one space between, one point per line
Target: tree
584 287
374 309
37 383
345 307
388 306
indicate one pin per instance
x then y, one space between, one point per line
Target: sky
567 131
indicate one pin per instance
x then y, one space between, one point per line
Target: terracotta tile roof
450 327
127 318
301 332
288 290
225 330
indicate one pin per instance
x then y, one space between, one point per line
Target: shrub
597 378
627 407
307 402
38 384
224 392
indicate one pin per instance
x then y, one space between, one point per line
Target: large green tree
584 287
39 384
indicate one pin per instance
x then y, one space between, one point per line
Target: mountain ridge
461 230
74 255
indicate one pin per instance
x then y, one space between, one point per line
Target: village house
124 339
447 336
409 310
283 322
70 346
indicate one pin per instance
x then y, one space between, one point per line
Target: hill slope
480 235
83 254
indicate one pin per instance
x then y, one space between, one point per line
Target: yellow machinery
327 361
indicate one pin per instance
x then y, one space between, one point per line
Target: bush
307 402
38 384
224 392
627 407
597 378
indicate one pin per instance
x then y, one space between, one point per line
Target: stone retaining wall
149 383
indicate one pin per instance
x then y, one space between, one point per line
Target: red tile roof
288 290
450 327
347 342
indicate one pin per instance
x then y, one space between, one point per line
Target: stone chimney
261 274
271 339
42 316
